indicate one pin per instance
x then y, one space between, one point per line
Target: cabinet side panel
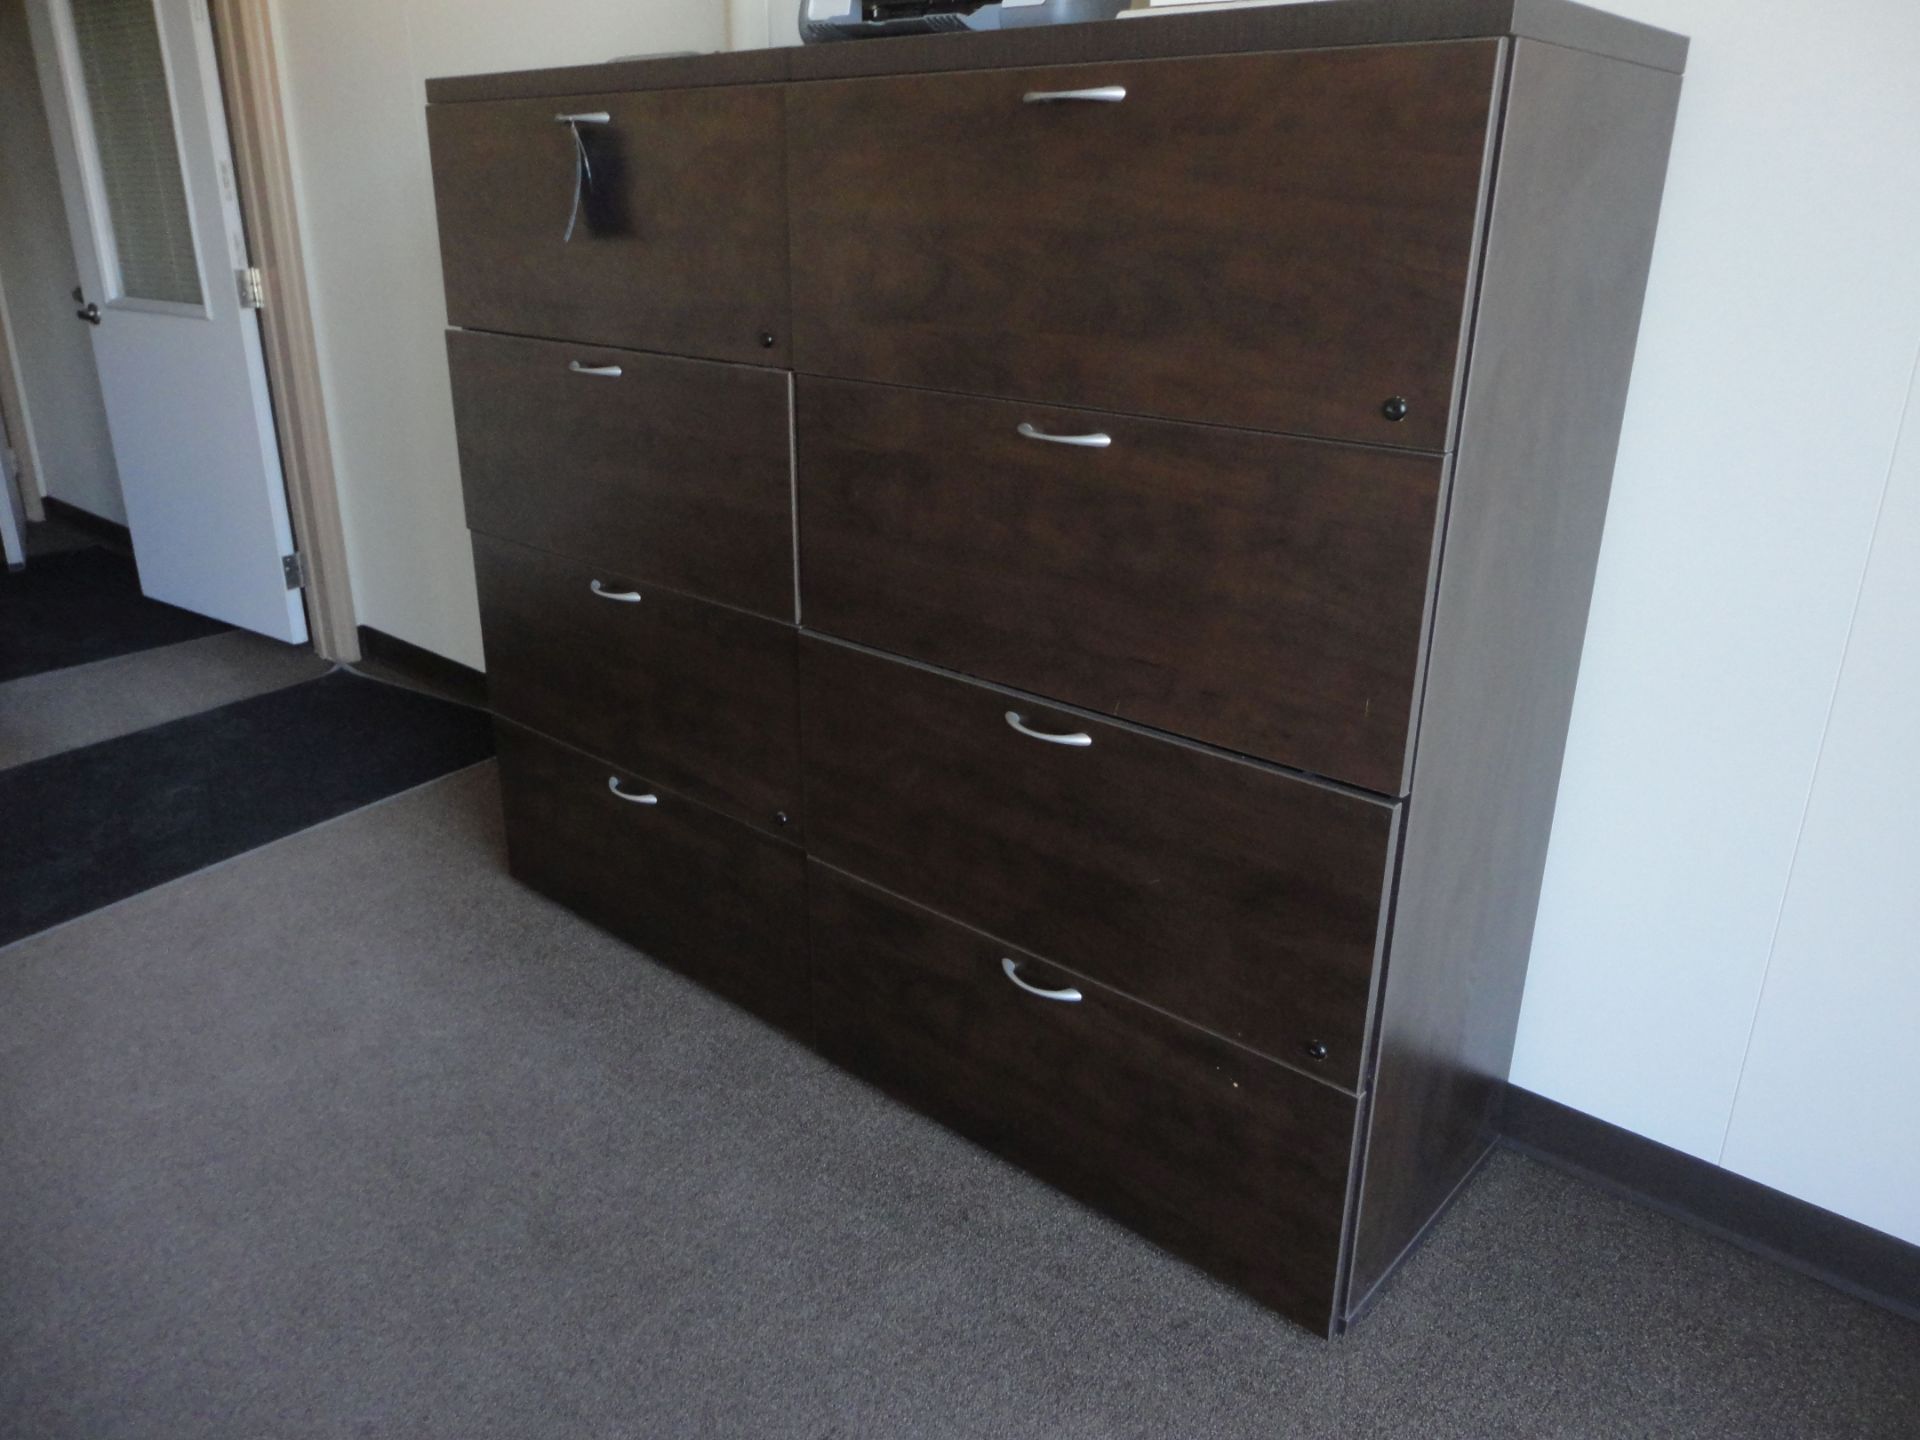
1576 197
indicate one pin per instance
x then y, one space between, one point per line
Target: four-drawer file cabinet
1051 566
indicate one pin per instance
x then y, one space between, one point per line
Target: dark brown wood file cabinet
1052 565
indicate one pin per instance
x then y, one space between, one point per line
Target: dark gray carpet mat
78 606
95 825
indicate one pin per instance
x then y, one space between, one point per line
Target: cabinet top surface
1321 24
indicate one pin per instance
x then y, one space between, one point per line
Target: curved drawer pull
625 597
1094 441
1107 94
1079 739
1067 996
582 162
610 372
613 784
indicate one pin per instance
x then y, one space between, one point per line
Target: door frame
256 119
25 481
250 87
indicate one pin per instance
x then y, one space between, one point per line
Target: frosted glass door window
136 155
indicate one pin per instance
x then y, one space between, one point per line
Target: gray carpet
60 710
352 1137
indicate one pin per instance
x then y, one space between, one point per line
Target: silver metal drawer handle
611 372
1100 94
625 597
1080 739
582 162
613 784
1067 996
1096 440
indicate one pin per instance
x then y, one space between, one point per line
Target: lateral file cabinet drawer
1281 241
1239 898
1276 610
1222 1157
696 696
676 472
694 889
657 220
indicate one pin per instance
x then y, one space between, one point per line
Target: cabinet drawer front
1277 241
695 890
1234 896
695 696
679 242
1224 1158
676 472
1261 593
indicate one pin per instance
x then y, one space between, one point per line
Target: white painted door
146 169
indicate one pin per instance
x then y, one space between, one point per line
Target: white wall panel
1829 1103
1780 330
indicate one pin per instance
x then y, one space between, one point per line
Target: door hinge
253 289
295 567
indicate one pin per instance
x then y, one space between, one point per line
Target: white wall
1779 343
355 72
756 24
65 416
1827 1102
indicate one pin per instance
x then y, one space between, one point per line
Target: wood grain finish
1223 1158
695 890
1260 593
675 472
1285 27
1283 242
1235 896
697 697
1299 994
681 243
1559 316
1326 24
662 72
